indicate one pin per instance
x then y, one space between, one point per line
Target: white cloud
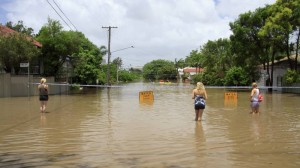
158 29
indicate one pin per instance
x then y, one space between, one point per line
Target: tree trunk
287 50
272 69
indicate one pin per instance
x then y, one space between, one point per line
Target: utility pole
108 54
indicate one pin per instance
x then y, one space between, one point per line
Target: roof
192 69
7 31
292 57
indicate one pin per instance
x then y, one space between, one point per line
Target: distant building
137 68
280 68
191 71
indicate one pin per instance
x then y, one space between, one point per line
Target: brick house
5 32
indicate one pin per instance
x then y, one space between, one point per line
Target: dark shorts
199 107
44 97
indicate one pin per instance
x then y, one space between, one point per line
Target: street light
108 73
122 49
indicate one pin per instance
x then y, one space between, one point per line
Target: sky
157 29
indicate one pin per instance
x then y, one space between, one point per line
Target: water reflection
111 128
199 133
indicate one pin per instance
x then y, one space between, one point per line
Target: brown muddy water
111 128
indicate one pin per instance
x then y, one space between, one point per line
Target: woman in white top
254 98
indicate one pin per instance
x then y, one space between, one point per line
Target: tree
16 48
284 23
87 69
159 69
19 27
236 76
59 45
250 49
215 57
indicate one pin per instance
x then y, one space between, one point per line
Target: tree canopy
159 70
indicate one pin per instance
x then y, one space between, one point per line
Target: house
191 71
5 32
279 69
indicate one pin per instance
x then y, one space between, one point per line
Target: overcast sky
158 29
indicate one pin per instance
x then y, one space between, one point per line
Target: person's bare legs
45 104
200 114
41 107
196 115
253 110
257 109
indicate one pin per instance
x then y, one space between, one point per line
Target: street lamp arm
122 49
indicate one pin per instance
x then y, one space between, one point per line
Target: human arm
193 94
46 87
252 93
205 95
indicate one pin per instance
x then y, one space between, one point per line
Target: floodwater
111 128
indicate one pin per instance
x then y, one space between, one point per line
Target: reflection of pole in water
109 119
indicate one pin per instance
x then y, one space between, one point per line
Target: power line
64 15
59 15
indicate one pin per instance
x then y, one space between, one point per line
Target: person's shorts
254 104
44 97
199 107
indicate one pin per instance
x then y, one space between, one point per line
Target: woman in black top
43 92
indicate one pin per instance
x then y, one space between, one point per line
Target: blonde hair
200 86
43 80
254 84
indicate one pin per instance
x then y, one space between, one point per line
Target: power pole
108 54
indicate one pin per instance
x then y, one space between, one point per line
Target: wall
17 86
5 85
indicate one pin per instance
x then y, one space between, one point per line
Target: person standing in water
254 98
199 96
43 94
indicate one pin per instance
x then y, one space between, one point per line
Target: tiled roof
7 31
192 69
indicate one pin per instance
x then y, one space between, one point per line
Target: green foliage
250 49
258 38
216 57
197 78
102 76
15 49
180 63
59 44
290 77
159 69
209 78
20 27
87 68
126 76
236 76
